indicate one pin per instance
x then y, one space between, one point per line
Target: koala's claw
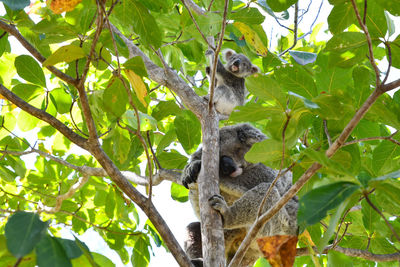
191 173
209 52
218 203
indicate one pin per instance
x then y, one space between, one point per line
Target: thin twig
296 13
327 133
152 151
216 53
388 138
195 23
383 216
389 56
368 37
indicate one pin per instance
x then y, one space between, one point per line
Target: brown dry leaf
137 85
60 6
279 250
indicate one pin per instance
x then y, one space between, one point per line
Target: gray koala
229 80
243 186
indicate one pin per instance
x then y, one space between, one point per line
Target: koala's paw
209 52
218 203
190 173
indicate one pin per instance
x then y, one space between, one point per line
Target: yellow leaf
137 85
279 250
306 238
60 6
252 38
66 53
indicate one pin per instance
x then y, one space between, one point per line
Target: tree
121 80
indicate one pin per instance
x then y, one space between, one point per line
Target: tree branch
296 13
364 254
13 31
59 199
389 138
369 42
167 77
44 116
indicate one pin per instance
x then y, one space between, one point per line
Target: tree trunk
211 223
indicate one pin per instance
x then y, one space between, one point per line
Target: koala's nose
236 62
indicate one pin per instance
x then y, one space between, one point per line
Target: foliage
302 100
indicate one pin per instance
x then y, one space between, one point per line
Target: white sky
178 215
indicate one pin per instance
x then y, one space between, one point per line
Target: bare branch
383 216
296 16
327 133
370 49
44 116
163 174
59 199
194 6
28 46
389 138
216 54
197 25
167 78
364 254
390 86
389 57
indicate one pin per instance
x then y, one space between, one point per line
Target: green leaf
385 157
389 197
253 112
173 159
115 97
140 254
134 16
66 53
16 4
23 232
179 192
70 247
341 17
267 89
188 131
280 5
28 69
27 91
332 225
62 99
369 215
50 253
147 122
110 204
303 58
297 80
314 205
332 165
164 109
392 6
209 25
390 24
345 41
376 20
265 151
248 15
338 259
137 65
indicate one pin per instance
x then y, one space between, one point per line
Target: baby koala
229 87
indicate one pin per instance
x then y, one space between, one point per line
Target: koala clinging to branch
243 186
229 86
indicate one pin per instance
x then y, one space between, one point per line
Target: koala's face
238 64
236 141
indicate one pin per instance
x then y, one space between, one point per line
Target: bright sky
178 215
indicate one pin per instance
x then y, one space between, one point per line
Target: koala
243 186
229 80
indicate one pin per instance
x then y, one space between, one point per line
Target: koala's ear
254 69
228 53
249 135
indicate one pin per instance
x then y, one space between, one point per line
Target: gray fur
229 87
241 196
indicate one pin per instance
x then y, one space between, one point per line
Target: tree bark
211 224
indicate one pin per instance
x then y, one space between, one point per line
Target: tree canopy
99 97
